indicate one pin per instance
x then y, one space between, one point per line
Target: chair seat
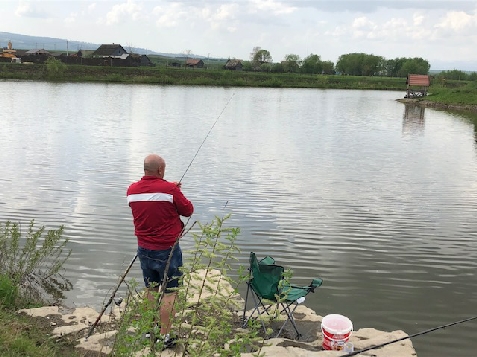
266 283
293 294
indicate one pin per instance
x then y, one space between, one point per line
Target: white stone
82 318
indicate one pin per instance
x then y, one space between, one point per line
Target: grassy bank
454 94
30 264
181 76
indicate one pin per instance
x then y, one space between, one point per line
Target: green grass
209 77
24 336
30 263
442 91
457 92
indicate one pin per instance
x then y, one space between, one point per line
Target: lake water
376 198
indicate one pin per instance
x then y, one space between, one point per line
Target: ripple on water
332 184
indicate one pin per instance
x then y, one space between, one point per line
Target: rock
78 321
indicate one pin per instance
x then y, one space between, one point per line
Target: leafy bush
206 319
33 262
8 292
55 68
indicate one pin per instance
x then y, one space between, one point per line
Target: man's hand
178 184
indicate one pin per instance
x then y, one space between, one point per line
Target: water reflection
413 119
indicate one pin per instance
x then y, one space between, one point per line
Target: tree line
457 75
353 64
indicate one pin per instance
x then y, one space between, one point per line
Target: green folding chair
267 288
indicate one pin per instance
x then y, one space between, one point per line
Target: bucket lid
336 324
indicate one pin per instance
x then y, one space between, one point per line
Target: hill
25 42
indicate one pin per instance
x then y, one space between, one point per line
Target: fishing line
206 137
111 299
410 336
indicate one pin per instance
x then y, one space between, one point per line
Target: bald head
154 165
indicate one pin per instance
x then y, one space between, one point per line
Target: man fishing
156 206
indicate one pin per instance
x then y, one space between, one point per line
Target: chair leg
290 318
245 306
258 312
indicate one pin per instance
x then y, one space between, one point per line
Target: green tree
372 65
277 68
328 67
291 63
454 74
393 66
260 57
55 68
254 52
266 67
361 64
415 65
247 65
312 64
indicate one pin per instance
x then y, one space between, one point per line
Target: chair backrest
265 278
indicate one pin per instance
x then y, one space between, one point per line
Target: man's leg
151 296
153 272
167 312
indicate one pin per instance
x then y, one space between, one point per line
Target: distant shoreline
453 95
437 105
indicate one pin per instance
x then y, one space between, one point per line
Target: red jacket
156 206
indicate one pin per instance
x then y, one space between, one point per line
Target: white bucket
336 331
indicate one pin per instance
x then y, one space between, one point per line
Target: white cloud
338 31
362 27
71 18
170 16
373 6
271 6
457 21
361 22
28 9
121 11
223 17
217 18
225 12
417 19
91 7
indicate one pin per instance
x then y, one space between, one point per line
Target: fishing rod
197 152
180 235
206 137
410 336
111 297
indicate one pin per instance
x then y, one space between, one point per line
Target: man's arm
183 206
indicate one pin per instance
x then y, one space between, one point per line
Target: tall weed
33 261
206 322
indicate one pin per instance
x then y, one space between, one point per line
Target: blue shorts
153 264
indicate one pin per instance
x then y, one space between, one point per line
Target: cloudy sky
443 32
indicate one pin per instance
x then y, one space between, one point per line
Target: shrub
55 68
33 262
206 325
8 292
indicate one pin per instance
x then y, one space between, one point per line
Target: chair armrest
316 283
